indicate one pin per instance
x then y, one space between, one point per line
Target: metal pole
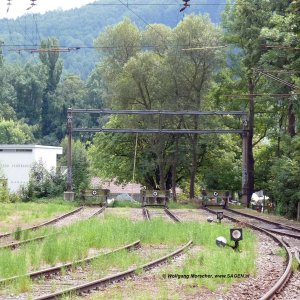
245 161
134 160
69 150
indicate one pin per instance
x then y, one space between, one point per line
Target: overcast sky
18 7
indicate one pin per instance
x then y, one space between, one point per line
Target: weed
281 252
17 233
295 264
126 203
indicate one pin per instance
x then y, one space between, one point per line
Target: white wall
17 160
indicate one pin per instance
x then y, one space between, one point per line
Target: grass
126 203
176 205
111 231
20 214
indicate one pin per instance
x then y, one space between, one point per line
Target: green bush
43 183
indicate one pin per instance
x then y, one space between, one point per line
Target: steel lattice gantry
243 132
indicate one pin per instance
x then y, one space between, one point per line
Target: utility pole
69 194
245 165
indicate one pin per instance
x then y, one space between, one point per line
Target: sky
18 7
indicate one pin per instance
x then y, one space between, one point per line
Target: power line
282 47
290 85
158 4
260 95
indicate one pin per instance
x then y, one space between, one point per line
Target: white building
17 160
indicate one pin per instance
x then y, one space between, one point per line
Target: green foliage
15 132
80 164
43 183
4 193
18 233
80 27
126 203
157 79
100 233
284 184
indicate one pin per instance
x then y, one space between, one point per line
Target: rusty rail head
146 213
55 270
279 285
264 220
111 279
52 221
101 210
171 215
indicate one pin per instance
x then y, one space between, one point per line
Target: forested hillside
184 62
79 27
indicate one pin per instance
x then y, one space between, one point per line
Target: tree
54 66
80 164
243 23
15 132
163 78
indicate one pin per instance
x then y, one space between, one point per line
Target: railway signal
236 235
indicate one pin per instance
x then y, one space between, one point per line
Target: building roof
130 188
29 146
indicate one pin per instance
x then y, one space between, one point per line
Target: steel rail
111 279
15 245
279 285
55 270
146 214
101 210
52 221
171 215
267 221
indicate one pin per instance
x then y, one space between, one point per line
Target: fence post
298 212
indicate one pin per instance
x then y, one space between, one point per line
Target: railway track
272 226
9 242
64 267
47 223
82 286
259 224
159 213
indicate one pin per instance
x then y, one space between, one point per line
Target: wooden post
245 189
298 212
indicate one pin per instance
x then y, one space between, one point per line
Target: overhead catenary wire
159 4
290 85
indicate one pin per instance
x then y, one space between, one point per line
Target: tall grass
30 212
75 241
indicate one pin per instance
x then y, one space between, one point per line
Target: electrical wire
290 85
158 4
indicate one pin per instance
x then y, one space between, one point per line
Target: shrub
43 183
